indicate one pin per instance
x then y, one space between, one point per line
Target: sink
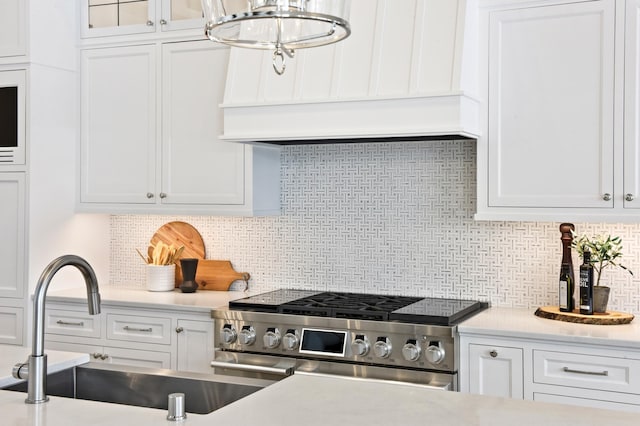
148 387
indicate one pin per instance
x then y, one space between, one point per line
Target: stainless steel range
407 339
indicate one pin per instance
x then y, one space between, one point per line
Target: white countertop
200 301
56 361
522 323
313 400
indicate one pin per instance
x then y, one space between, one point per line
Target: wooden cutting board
181 234
217 275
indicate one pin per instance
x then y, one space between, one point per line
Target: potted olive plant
605 252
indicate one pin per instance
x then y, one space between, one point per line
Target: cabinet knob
149 195
104 356
95 355
606 197
628 197
179 329
493 353
163 195
149 23
163 22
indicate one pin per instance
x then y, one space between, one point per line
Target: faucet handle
20 370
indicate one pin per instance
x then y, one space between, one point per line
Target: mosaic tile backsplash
389 218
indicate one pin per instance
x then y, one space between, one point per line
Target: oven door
276 368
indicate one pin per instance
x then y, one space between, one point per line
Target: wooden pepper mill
567 239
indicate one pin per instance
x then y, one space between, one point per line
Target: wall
384 218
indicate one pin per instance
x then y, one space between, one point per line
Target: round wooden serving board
181 234
608 318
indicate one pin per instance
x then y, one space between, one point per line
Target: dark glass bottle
566 289
586 285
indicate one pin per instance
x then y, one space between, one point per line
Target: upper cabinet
121 17
13 28
149 135
407 69
560 121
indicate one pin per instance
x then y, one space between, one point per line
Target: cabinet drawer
139 329
72 323
585 402
586 371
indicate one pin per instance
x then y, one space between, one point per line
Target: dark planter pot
600 299
189 267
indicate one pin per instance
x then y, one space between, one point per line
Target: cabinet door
118 125
551 103
117 17
12 229
496 371
11 325
632 106
195 345
181 14
13 28
197 168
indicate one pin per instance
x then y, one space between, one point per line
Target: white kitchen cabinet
195 345
560 80
149 135
11 325
12 229
496 370
126 17
551 72
13 28
545 370
632 106
123 335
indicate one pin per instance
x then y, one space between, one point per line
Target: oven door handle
281 371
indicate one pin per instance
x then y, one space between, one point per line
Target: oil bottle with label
586 285
566 289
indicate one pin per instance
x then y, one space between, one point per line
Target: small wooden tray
608 318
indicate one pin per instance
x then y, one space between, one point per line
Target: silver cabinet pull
144 330
590 373
79 323
149 23
284 371
149 195
163 22
163 195
179 329
606 197
493 353
629 197
96 355
104 356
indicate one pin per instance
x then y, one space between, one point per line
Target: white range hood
406 71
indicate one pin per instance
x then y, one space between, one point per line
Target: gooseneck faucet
36 365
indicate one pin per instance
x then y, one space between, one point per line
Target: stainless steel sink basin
146 387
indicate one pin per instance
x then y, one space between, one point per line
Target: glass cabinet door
117 17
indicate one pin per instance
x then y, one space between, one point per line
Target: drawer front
138 358
72 323
586 371
585 402
139 329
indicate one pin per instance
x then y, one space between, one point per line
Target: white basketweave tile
389 218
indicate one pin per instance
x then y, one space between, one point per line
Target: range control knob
360 345
434 353
271 338
247 335
290 340
382 347
411 351
228 334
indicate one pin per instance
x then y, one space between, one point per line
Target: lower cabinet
146 338
541 370
11 325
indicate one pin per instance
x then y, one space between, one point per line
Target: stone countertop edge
321 401
523 323
200 301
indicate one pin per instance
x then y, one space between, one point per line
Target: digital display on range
323 342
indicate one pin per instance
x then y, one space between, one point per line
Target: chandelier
279 25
